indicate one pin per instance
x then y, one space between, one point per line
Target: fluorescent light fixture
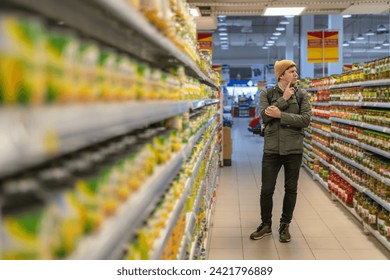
195 12
222 34
280 28
277 33
284 22
381 28
370 32
386 43
345 44
222 28
347 16
377 47
264 47
289 16
291 11
270 42
352 41
274 38
223 38
360 37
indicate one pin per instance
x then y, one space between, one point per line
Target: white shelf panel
361 104
25 131
307 157
316 177
322 120
326 149
324 104
324 133
308 146
308 169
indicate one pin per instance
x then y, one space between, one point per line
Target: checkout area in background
241 95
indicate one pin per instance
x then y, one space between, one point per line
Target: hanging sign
205 41
322 46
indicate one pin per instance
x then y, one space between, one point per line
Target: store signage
205 41
322 46
240 83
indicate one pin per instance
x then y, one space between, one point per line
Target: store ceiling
248 29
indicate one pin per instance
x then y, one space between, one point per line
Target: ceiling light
277 33
381 28
360 37
347 16
345 44
223 34
195 12
223 38
352 41
273 11
270 42
386 43
274 38
370 32
222 28
280 28
377 47
264 47
284 22
289 16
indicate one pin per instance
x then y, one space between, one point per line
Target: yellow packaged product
22 56
142 82
62 49
107 78
126 76
22 217
87 73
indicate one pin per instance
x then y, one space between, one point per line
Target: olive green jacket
284 135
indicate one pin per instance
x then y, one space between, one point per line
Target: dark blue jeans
272 163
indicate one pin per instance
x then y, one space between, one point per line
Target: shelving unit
35 135
350 161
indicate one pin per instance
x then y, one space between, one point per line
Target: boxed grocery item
227 146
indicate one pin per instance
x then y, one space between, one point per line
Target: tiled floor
321 228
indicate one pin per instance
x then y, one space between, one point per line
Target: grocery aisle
321 228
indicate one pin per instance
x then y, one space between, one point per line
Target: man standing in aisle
285 110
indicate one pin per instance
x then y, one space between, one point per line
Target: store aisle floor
321 228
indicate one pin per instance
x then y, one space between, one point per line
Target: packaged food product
22 56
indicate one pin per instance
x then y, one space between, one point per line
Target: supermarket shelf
308 146
197 104
361 189
116 23
373 83
316 177
34 135
166 233
378 236
321 160
361 145
375 233
361 104
363 125
349 209
324 104
116 232
307 133
308 169
326 134
326 149
322 120
307 157
363 168
342 175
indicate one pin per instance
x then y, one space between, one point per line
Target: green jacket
284 136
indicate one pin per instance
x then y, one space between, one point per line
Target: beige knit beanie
281 66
